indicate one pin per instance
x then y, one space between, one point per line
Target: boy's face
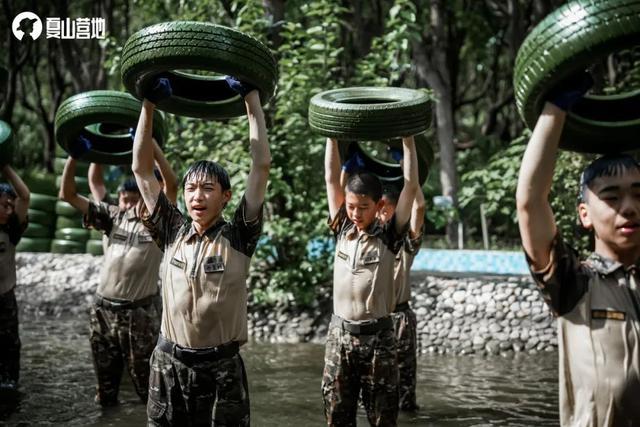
387 210
205 200
6 208
128 199
361 209
612 210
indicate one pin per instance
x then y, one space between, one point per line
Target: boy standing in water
14 203
360 352
597 300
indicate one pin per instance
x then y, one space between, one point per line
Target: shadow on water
57 385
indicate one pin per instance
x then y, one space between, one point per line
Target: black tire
82 168
94 247
73 234
65 209
68 222
6 143
569 40
43 202
369 113
28 244
159 50
35 230
43 218
104 117
391 173
82 184
67 247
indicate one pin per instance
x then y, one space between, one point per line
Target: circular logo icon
26 23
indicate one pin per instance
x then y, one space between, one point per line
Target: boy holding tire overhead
597 300
360 354
124 318
14 203
197 374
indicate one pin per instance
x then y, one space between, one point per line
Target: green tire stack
70 237
94 245
42 214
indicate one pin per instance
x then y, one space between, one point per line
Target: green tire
67 247
28 244
94 247
6 143
570 39
95 234
158 51
73 234
65 209
69 222
104 118
82 184
43 218
82 168
35 230
41 184
369 113
43 202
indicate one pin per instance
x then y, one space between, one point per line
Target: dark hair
8 190
391 193
158 174
365 183
129 184
207 169
607 165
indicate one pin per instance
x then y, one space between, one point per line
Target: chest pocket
213 264
144 238
371 257
343 256
119 237
177 263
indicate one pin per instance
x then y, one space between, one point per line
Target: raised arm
169 177
260 156
22 192
411 186
143 154
332 171
68 191
417 214
96 182
535 218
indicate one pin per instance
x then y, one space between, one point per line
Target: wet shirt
10 234
131 260
204 287
363 268
598 307
402 268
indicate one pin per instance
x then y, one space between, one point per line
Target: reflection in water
57 385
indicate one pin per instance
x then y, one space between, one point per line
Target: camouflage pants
119 337
211 393
355 363
9 339
404 321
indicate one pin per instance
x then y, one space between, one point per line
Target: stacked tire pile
42 216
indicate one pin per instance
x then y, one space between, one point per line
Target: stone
459 296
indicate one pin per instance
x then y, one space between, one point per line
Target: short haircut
8 190
129 184
203 169
391 193
365 183
607 165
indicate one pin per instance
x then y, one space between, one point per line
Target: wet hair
8 190
607 165
203 169
129 185
391 193
365 183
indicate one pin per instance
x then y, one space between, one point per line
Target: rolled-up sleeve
100 216
164 222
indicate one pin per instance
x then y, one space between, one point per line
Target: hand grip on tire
571 90
159 90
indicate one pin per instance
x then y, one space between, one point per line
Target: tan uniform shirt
204 287
131 260
10 234
363 268
598 306
402 268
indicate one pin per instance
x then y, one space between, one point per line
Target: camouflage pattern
9 340
354 364
119 337
405 325
205 393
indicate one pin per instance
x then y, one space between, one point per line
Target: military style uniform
124 318
197 374
405 325
361 354
10 234
598 307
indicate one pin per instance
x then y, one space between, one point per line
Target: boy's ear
380 204
584 217
227 195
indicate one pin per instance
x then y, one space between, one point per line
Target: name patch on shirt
371 258
608 314
343 256
145 238
177 263
120 236
214 264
